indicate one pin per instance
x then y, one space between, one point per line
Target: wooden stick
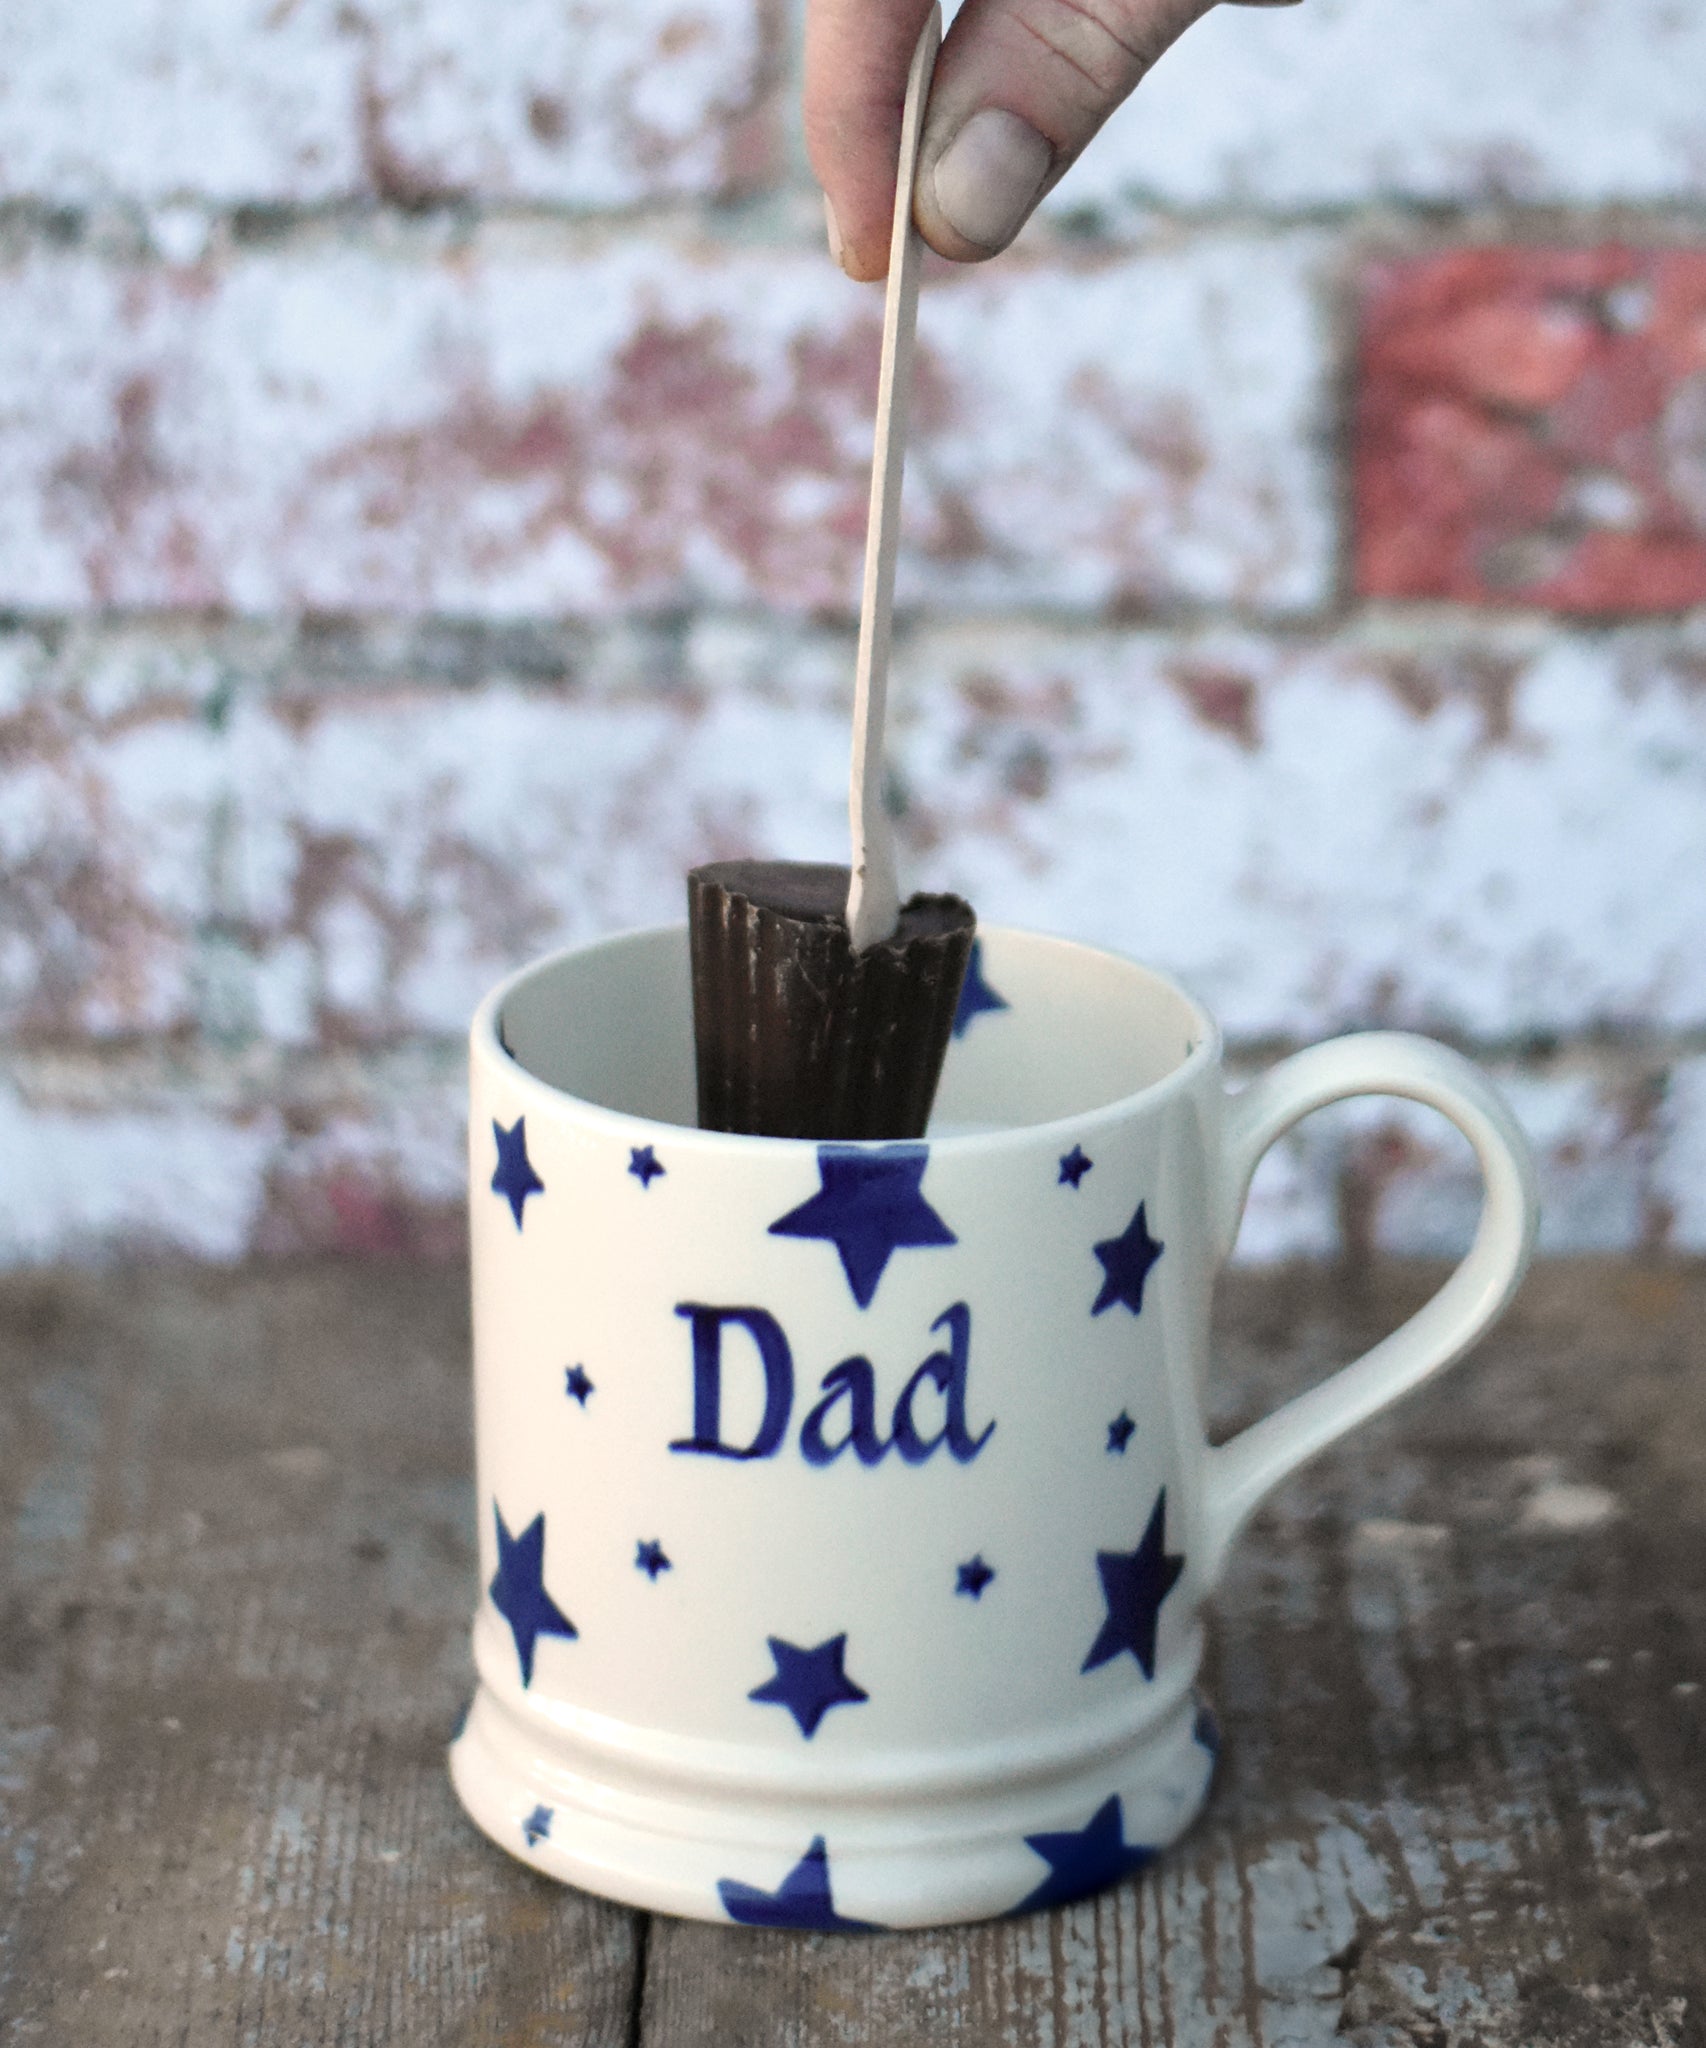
873 896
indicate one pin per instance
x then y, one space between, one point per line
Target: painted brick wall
432 475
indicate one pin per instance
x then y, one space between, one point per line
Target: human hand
1020 88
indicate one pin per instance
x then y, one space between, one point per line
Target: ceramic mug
846 1512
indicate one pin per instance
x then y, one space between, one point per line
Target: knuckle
1108 44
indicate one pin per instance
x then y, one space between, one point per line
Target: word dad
845 1418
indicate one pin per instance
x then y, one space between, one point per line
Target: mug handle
1242 1472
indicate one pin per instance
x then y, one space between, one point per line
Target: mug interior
1070 1030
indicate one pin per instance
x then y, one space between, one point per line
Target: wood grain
240 1570
1462 1798
1459 1664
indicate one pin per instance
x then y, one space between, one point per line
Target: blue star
809 1682
649 1558
643 1164
1120 1432
1084 1859
537 1825
802 1899
974 1576
976 995
868 1206
1126 1261
576 1383
1074 1165
518 1591
515 1179
1134 1584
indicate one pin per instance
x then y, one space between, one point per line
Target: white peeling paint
1567 1506
1383 1535
1347 100
180 1179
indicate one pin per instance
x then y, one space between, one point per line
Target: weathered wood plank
1459 1668
234 1597
1465 1784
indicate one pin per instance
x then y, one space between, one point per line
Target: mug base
837 1866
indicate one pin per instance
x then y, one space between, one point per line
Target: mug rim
485 1041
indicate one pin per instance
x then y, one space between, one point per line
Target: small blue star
869 1205
1126 1261
1120 1432
649 1558
515 1179
802 1899
974 1576
976 995
1074 1165
1134 1584
518 1591
643 1164
1082 1860
809 1682
576 1383
537 1825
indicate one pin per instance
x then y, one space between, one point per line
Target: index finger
857 53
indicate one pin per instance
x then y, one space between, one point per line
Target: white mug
846 1512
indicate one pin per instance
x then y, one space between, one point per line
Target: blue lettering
773 1355
848 1397
946 1371
854 1382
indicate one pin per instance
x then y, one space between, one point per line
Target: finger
857 54
1021 86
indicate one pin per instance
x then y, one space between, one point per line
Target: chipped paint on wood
1459 1802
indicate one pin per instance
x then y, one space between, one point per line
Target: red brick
552 102
546 424
1530 428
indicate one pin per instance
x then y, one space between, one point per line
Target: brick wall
433 450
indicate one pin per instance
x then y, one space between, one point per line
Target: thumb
1021 86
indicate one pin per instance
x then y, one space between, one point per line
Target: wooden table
1458 1664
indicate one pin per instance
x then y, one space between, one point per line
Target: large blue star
1084 1859
976 995
1134 1584
1126 1261
809 1682
802 1899
518 1590
868 1206
515 1179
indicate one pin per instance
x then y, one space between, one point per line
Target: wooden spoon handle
873 896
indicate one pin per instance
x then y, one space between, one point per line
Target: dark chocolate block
797 1035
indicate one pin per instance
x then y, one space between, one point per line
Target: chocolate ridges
798 1036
